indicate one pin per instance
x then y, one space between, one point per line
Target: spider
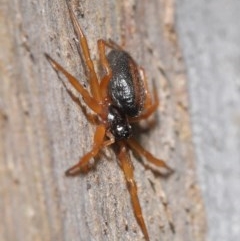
119 99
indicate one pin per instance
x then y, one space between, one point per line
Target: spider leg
102 44
98 144
108 72
92 103
94 85
91 117
141 151
150 107
127 168
148 100
112 45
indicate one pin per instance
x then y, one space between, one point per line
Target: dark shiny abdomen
126 87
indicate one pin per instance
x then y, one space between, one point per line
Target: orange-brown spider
119 99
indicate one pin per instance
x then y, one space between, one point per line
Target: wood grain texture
43 131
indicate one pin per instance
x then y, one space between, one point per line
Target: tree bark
43 131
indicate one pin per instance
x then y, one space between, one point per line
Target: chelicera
119 99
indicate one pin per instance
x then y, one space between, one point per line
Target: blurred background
209 33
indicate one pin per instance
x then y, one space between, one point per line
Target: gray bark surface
210 35
43 131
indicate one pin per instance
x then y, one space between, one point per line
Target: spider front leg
98 144
127 168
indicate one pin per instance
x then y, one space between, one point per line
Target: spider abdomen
126 87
